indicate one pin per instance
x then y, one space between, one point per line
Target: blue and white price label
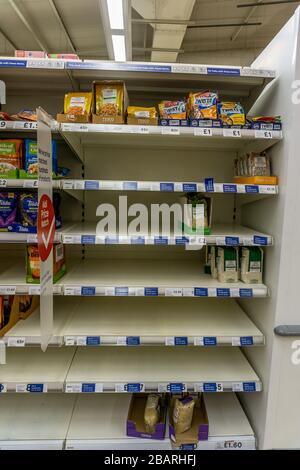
129 387
223 292
133 341
151 291
177 387
176 341
212 387
130 186
260 240
209 185
189 187
88 239
91 185
121 291
92 341
91 388
31 388
88 291
229 188
249 387
167 187
242 341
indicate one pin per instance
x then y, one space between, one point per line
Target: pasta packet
203 105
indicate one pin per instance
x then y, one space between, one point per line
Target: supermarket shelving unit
155 165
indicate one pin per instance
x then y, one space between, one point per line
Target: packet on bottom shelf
144 421
199 426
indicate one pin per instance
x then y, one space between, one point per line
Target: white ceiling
82 20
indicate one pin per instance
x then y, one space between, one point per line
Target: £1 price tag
203 131
263 134
232 133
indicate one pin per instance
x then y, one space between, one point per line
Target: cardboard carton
135 421
198 430
109 119
65 118
18 312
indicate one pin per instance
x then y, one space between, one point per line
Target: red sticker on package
46 227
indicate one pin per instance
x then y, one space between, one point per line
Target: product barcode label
232 133
16 342
72 291
203 131
129 387
31 388
176 341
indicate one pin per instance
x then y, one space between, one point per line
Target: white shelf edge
166 186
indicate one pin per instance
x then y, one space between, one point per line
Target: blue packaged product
8 209
31 158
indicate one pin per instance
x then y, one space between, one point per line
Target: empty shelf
154 369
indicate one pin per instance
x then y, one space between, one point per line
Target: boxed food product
252 264
196 430
203 105
77 107
11 153
254 168
265 123
231 114
228 264
110 101
25 115
137 115
31 159
173 109
141 423
152 412
197 210
33 263
31 54
8 209
15 308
